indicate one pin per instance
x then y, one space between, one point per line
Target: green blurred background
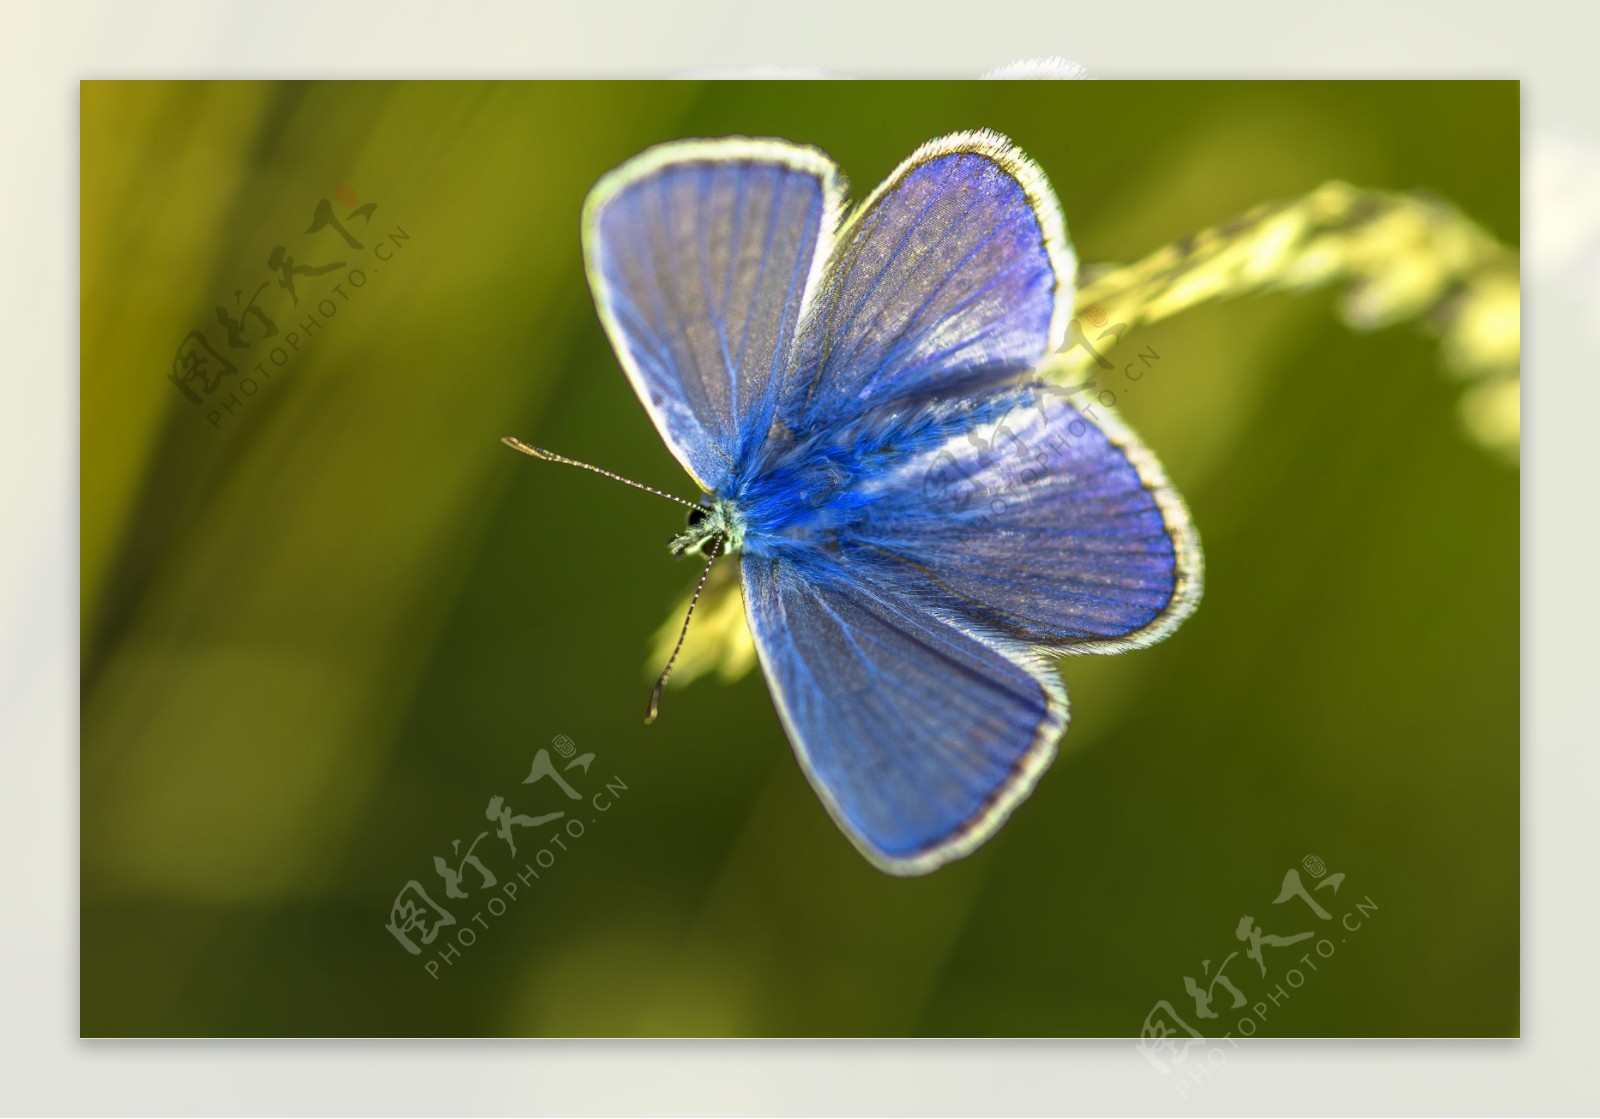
321 633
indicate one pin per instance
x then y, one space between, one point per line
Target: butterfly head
717 521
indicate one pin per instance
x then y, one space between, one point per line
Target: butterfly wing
701 256
919 735
1059 530
954 275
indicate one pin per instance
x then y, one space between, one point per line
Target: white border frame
49 1072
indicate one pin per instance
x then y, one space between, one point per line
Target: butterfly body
918 520
816 491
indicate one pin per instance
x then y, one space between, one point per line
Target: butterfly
920 520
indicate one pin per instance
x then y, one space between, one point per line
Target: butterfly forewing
701 255
954 276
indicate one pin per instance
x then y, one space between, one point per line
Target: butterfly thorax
817 490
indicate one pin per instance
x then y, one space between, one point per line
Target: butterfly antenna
550 456
655 696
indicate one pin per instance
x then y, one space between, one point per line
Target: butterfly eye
696 516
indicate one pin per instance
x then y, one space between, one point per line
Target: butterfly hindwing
1058 530
919 735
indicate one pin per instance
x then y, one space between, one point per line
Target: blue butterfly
918 519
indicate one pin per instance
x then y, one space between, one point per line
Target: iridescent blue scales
918 521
